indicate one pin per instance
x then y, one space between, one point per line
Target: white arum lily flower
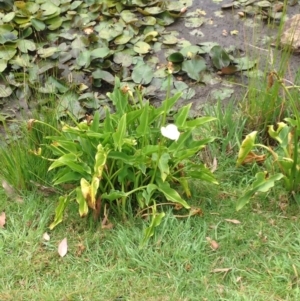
170 131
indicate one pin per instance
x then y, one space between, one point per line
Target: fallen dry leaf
233 221
46 236
213 244
10 192
231 69
63 247
234 32
252 157
223 270
214 165
88 30
2 219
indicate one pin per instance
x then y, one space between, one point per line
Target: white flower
170 131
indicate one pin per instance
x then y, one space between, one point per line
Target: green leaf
193 123
3 65
143 127
155 222
59 211
120 133
38 25
220 57
47 52
84 59
246 147
176 57
164 166
100 161
25 45
83 207
142 74
5 91
141 47
7 52
194 67
100 53
114 195
263 183
171 194
104 75
8 17
182 115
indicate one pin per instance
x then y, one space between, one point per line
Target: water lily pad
104 75
194 22
142 74
100 52
141 47
47 52
8 17
128 16
84 59
7 52
221 94
244 63
5 91
194 67
123 59
220 57
3 65
176 57
26 45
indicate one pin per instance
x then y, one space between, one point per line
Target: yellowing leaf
2 219
234 32
63 247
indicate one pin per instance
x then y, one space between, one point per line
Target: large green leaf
142 74
120 133
246 147
83 207
171 194
263 183
59 211
220 57
194 67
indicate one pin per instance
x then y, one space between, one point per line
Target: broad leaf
246 147
263 183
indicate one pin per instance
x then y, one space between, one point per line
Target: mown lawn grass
259 256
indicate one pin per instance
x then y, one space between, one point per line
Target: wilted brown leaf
214 165
2 219
88 30
63 247
233 221
213 244
10 192
46 236
231 69
252 157
223 270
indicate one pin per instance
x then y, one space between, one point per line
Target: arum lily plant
130 160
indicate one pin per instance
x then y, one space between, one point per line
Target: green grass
178 264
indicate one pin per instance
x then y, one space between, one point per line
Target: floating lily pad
142 74
176 57
194 67
142 47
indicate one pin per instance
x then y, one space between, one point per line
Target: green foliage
284 158
125 158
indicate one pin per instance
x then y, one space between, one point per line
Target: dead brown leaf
88 30
213 244
63 247
222 270
228 70
252 157
233 221
214 165
2 219
10 192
